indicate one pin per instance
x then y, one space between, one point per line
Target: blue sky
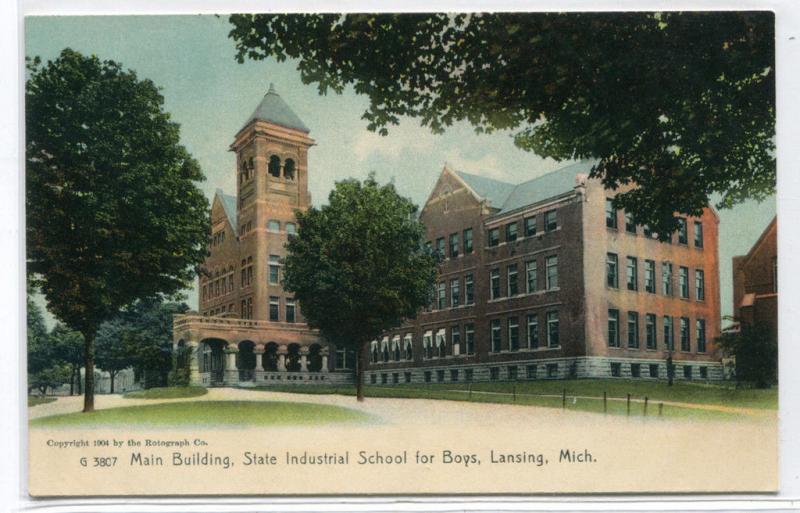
211 96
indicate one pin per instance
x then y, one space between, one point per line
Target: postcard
434 253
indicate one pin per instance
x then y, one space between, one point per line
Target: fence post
605 402
629 405
564 399
645 406
660 408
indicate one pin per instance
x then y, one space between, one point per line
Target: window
408 347
290 310
455 340
700 334
533 331
427 345
494 237
616 369
636 370
513 333
440 247
274 269
699 285
511 232
455 292
468 374
440 375
530 273
653 370
512 372
650 276
685 339
274 225
530 226
552 329
513 288
551 267
633 330
469 290
469 339
650 330
440 296
613 328
683 282
669 336
666 278
395 377
647 232
468 241
611 214
630 226
291 229
494 283
274 166
274 308
632 272
550 222
531 371
494 373
453 374
427 376
396 348
454 245
683 236
552 370
373 378
612 278
496 335
407 377
687 371
703 372
698 234
441 344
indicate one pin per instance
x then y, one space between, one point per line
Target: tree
682 104
113 210
115 349
67 348
359 266
755 352
39 350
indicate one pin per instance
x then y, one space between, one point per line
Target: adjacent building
545 279
755 282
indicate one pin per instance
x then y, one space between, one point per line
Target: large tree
359 266
113 210
682 104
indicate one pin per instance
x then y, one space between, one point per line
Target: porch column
231 372
282 351
258 372
194 363
304 359
324 360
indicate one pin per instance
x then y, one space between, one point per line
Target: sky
210 95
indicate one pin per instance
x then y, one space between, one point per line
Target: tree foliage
755 352
359 266
682 104
66 347
115 348
113 210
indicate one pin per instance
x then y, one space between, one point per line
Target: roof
229 206
274 110
507 197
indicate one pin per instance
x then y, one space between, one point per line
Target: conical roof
273 109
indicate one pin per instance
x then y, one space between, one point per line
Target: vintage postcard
439 253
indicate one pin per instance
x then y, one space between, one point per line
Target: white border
13 461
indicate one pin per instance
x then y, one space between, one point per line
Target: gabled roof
229 206
771 227
273 109
507 197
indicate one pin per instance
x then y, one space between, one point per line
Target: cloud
488 165
403 139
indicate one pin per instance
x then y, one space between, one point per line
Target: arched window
427 344
396 348
373 350
274 167
288 169
440 344
385 349
409 346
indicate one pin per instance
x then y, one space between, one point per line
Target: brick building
248 329
755 282
545 279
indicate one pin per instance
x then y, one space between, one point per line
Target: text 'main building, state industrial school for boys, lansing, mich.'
543 279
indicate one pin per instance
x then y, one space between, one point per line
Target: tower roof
273 109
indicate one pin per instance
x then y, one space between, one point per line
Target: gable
449 185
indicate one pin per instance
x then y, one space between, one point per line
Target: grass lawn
582 395
209 413
35 400
167 393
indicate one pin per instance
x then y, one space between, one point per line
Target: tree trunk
112 374
80 381
72 380
360 365
88 355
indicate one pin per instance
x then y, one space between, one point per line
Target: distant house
755 282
